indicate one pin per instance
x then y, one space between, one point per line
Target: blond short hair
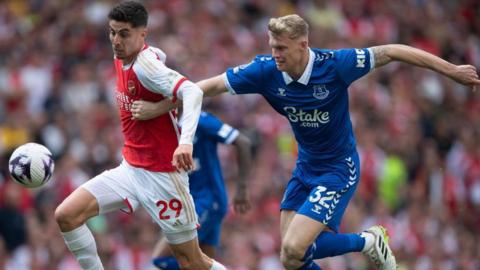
292 25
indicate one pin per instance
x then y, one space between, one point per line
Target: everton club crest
131 87
320 91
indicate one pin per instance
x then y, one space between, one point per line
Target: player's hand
182 158
143 110
241 200
467 75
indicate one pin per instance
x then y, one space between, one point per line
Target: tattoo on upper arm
380 55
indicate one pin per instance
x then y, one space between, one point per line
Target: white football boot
380 253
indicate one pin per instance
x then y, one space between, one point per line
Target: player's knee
66 219
292 250
291 255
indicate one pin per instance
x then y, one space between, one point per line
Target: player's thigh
79 206
166 197
330 194
113 190
310 229
295 193
286 217
106 192
294 197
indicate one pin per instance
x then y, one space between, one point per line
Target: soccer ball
31 165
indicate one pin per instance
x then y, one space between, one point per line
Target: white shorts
165 196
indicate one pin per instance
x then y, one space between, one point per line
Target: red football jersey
149 144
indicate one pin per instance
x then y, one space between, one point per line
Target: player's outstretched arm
212 86
464 74
146 110
241 200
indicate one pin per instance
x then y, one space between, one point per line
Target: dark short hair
131 12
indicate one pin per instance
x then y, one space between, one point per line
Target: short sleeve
216 129
245 79
352 64
155 76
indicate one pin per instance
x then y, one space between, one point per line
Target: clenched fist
465 74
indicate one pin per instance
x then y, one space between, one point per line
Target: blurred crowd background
418 132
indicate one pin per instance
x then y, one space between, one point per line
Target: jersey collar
306 74
128 66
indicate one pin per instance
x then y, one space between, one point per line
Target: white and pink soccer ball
31 165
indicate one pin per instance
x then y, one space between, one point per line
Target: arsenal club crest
320 91
131 87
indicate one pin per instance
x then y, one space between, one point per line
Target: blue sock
166 263
330 244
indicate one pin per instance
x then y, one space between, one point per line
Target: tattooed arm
464 74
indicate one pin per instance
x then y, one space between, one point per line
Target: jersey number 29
173 204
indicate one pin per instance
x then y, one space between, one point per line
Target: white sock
217 266
81 243
369 240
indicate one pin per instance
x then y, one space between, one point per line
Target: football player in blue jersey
309 87
206 181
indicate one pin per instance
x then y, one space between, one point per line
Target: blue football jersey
206 182
316 105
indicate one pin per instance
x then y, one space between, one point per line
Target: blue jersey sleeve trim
227 84
233 135
372 58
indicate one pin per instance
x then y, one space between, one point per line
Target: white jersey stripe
185 196
227 84
182 196
154 74
147 67
233 135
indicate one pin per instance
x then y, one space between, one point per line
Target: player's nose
115 40
275 54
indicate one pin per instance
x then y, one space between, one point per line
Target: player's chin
119 55
281 66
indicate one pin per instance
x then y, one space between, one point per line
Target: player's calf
198 263
81 243
71 215
188 254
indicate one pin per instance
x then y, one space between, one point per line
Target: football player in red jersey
156 156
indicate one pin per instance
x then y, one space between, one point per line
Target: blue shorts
323 194
210 223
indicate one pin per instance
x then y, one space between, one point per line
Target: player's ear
304 43
144 32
